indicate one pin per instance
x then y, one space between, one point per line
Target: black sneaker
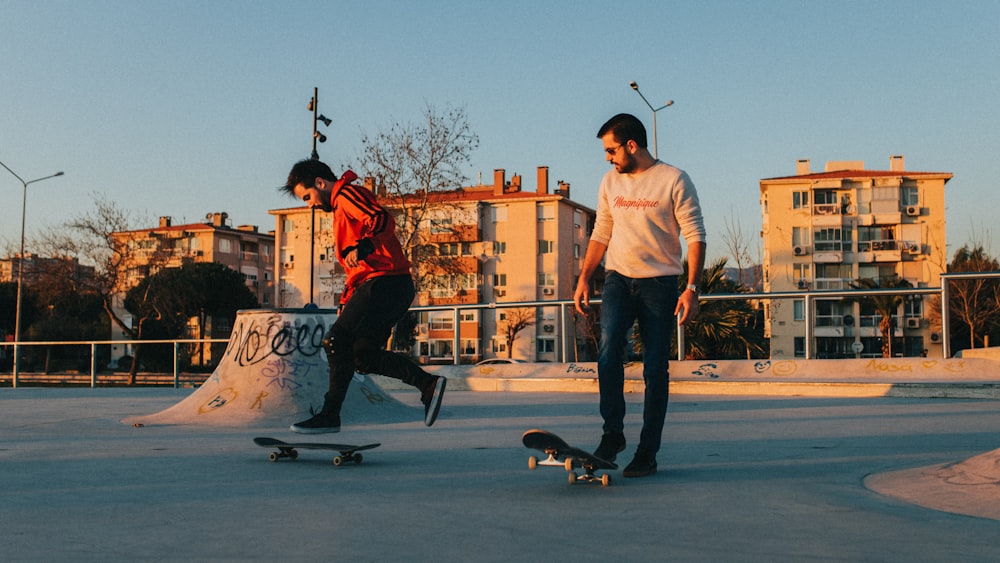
431 398
643 464
320 423
611 444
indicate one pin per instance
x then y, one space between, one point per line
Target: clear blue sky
182 107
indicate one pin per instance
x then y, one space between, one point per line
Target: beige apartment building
243 249
825 230
484 244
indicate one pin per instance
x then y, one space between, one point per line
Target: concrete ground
746 478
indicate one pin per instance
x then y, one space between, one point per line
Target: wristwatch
693 288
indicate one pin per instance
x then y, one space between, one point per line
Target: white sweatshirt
641 217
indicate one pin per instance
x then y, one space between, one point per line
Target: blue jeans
651 301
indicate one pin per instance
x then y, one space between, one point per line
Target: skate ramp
970 487
274 371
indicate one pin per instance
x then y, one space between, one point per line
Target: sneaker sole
299 430
435 406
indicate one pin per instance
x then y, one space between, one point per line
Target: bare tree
412 165
103 238
975 303
743 248
515 320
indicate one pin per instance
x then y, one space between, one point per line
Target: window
546 212
800 236
500 214
449 249
799 306
576 251
546 246
441 225
545 345
577 219
288 225
546 280
828 239
500 280
499 248
911 196
442 323
225 246
800 200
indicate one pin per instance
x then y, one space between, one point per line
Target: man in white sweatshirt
644 208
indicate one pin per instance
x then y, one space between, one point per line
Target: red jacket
360 222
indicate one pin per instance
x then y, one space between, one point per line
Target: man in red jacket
378 292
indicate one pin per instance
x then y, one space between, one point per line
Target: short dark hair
305 172
625 127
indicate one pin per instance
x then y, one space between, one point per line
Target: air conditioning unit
803 284
935 337
548 328
800 250
288 265
548 291
913 210
913 322
848 320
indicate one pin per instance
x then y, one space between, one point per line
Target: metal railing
566 312
93 344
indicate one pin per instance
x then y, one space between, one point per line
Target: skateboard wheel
572 478
338 461
294 454
358 458
569 464
532 462
273 456
605 479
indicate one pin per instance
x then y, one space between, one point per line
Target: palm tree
886 305
722 329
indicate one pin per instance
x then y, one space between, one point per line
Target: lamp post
20 267
656 150
316 136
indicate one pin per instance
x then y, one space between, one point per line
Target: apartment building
482 244
825 230
243 248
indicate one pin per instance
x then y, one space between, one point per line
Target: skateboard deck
561 454
348 453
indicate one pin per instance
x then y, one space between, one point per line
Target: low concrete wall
876 377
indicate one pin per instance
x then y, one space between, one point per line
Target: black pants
356 341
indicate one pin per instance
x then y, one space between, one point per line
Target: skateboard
348 454
566 456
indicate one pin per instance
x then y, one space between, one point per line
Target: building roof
849 174
198 227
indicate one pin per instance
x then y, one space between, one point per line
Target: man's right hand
582 297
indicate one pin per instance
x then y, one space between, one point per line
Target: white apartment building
825 230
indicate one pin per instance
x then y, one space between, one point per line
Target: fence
97 372
566 308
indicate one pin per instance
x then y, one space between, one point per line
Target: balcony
827 214
886 250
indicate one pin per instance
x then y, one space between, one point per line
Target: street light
656 150
20 266
316 136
